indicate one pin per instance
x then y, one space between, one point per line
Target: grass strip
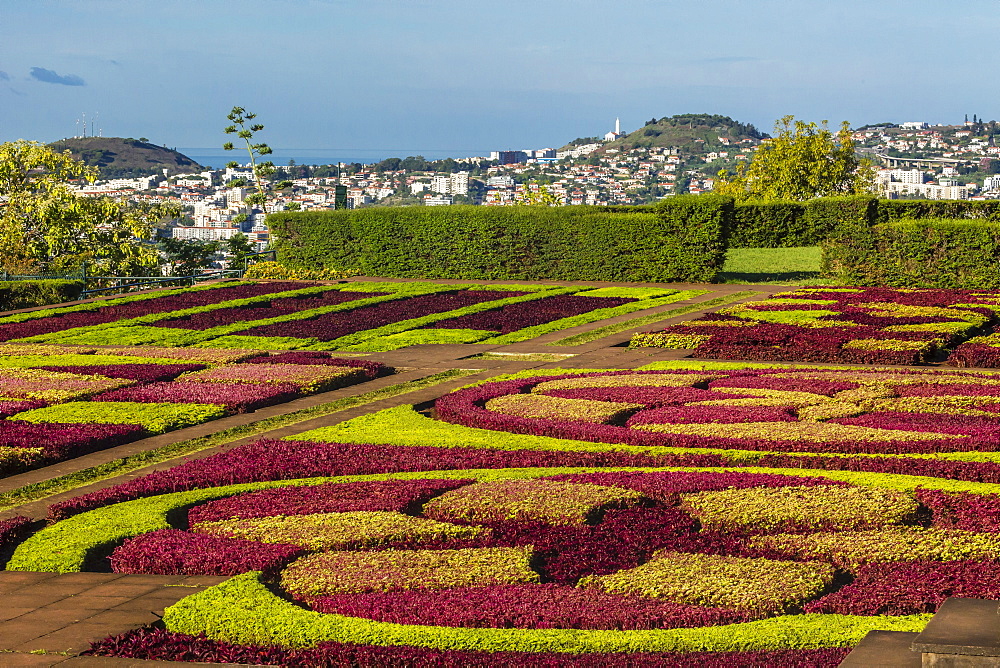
608 330
522 357
117 467
796 265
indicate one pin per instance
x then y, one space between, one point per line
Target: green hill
695 133
119 157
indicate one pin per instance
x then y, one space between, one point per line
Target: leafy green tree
542 197
46 226
239 248
239 117
415 163
802 161
183 257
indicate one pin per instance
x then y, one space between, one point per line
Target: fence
96 285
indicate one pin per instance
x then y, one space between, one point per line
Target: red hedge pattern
173 552
335 325
526 607
513 317
157 644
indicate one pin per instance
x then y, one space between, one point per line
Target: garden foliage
857 325
25 294
929 252
681 239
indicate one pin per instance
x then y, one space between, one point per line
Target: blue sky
405 75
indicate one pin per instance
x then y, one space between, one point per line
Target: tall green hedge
848 243
771 224
932 252
781 224
680 239
25 294
891 210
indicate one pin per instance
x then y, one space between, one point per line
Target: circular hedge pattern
835 410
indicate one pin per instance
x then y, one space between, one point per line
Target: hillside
126 157
695 132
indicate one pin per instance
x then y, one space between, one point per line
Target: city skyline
434 75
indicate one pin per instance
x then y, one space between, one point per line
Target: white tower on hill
617 133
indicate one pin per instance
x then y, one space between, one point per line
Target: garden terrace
63 402
360 316
855 325
609 505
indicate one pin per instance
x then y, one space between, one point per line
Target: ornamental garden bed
719 516
856 325
59 402
349 316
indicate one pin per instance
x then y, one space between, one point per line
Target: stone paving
50 618
47 618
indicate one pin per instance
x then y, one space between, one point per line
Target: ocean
217 158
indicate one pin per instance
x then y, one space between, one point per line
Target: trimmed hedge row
680 239
25 294
891 210
783 224
926 253
243 610
773 224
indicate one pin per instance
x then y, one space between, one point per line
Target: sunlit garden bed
360 316
855 325
60 402
713 516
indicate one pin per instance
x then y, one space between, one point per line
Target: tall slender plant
239 119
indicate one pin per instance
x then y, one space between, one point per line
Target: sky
404 76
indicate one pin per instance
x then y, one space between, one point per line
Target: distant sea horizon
217 157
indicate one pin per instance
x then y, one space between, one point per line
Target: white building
450 184
910 176
616 133
439 200
579 151
235 196
441 184
237 173
460 183
927 190
914 125
205 233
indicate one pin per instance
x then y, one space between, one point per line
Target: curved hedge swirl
733 510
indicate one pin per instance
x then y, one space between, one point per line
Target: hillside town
913 160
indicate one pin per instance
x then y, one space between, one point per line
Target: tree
239 248
239 118
540 197
802 161
46 226
182 257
